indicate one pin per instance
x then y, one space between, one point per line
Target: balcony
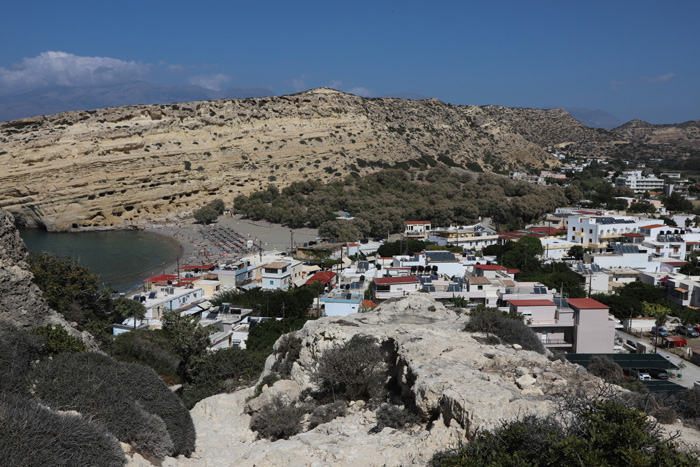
556 343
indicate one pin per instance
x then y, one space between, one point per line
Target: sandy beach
228 239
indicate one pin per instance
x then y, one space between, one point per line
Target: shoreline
199 245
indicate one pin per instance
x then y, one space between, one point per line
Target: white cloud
177 68
658 79
299 85
360 91
214 82
335 84
64 69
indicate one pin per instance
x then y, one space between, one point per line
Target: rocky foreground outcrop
21 302
458 384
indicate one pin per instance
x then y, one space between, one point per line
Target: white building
636 180
166 298
279 275
470 237
416 229
596 232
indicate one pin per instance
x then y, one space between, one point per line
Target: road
691 372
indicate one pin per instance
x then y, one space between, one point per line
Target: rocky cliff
126 166
458 384
21 302
120 167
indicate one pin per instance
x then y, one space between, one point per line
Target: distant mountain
48 101
594 118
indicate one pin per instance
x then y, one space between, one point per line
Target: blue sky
634 59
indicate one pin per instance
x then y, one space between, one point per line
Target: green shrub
18 349
393 416
57 340
31 435
130 400
605 433
509 330
148 348
277 420
222 371
352 371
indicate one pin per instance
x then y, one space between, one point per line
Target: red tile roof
632 235
396 280
532 302
586 303
490 267
416 222
675 263
324 277
161 277
653 226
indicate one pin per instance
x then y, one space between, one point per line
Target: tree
218 205
576 251
74 291
125 308
188 340
206 215
659 312
523 254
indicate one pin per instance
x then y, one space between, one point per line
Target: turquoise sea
122 259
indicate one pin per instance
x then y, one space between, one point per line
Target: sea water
122 259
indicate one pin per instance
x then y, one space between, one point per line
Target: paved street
691 372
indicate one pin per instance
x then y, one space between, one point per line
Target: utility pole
292 242
283 318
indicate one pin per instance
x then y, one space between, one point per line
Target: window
272 282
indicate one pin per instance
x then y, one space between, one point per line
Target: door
544 337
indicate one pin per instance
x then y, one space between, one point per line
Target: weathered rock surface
458 386
21 302
121 167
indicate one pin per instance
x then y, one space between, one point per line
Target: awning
674 339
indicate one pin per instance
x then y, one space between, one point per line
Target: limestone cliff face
458 385
121 167
21 302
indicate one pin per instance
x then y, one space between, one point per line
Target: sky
633 59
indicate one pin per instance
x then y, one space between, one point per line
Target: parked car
642 375
662 332
687 331
658 373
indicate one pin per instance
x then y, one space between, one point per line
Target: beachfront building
210 287
281 275
168 298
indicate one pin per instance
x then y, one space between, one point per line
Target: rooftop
586 303
532 303
490 267
396 280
